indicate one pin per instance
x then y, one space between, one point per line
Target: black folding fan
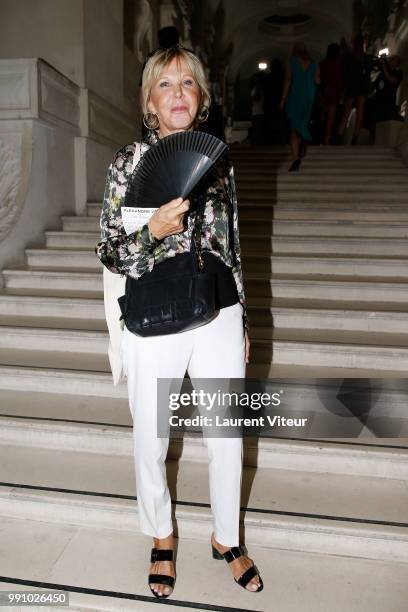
172 168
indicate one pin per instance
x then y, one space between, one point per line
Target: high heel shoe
234 553
161 554
295 165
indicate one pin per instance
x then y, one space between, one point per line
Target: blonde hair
162 58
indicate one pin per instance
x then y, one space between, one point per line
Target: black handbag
177 295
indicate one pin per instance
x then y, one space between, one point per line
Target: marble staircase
325 266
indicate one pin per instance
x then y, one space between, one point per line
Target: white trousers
214 350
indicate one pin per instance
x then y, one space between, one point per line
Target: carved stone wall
15 170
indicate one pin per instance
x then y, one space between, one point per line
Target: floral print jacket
138 252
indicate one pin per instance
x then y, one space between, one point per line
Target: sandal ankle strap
161 554
233 553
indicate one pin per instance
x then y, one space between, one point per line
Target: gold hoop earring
147 121
203 117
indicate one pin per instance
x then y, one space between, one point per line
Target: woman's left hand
247 345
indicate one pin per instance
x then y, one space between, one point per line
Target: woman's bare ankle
167 542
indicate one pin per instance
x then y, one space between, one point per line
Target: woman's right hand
168 219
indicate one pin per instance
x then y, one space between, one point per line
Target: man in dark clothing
382 103
275 118
168 37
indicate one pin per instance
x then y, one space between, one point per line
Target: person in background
302 76
331 88
357 85
258 128
382 103
274 117
168 36
215 123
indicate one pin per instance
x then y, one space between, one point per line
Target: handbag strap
136 156
195 244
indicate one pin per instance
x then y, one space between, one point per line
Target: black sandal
234 553
161 554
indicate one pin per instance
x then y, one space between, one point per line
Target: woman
302 76
175 97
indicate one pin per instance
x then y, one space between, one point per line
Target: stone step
359 246
278 264
318 166
322 213
54 282
89 314
317 156
358 182
330 151
62 348
74 239
90 397
97 587
315 152
322 165
80 224
63 259
332 349
253 243
272 196
94 209
308 287
291 315
50 311
278 227
340 229
392 268
306 511
262 209
315 189
64 384
118 581
311 205
326 288
248 148
87 350
87 397
328 172
301 455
